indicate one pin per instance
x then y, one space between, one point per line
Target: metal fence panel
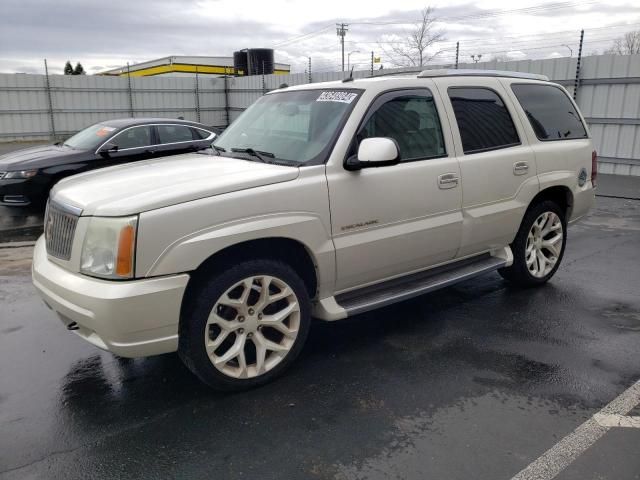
608 95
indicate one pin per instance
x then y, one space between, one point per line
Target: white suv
322 200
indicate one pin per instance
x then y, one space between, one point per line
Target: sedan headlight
109 247
20 174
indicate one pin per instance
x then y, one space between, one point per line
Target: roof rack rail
469 72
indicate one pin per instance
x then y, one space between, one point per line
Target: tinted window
200 134
133 138
483 119
550 112
411 119
174 133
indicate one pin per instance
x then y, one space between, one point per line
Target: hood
34 157
138 187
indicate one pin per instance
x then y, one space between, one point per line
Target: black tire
191 345
518 273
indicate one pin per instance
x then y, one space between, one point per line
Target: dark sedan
27 175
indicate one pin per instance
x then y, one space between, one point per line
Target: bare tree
628 44
414 50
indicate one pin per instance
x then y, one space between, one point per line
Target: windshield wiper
254 153
218 149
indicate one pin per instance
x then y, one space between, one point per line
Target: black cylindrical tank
240 63
261 61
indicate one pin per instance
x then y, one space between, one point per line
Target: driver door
394 220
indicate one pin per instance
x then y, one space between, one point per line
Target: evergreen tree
79 70
68 69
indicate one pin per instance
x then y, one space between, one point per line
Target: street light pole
349 59
570 49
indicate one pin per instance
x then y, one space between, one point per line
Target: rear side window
483 120
550 112
174 133
200 134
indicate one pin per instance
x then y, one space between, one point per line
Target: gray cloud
100 34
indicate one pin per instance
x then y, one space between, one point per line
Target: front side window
297 127
550 112
135 137
411 119
174 133
483 119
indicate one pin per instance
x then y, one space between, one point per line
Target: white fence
608 95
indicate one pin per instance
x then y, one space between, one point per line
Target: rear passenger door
497 165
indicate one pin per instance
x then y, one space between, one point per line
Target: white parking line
611 420
567 450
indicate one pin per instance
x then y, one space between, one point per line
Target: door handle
520 168
448 180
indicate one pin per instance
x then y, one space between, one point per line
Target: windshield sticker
104 131
334 96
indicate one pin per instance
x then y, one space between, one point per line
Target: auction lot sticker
335 96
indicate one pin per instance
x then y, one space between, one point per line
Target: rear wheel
247 325
539 245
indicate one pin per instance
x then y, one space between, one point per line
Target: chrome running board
399 289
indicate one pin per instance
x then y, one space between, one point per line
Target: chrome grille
59 228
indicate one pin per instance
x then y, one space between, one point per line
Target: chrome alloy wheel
544 244
252 327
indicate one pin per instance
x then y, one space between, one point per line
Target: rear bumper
134 318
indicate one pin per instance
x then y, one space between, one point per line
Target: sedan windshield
90 137
296 127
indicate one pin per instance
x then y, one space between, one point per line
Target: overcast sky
107 34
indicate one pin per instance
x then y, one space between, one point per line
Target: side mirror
107 148
375 152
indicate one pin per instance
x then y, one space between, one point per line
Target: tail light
594 169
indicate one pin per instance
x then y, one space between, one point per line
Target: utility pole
341 29
309 69
457 53
577 82
372 63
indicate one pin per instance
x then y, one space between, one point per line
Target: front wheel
538 247
247 324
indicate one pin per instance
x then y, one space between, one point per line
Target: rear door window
483 119
174 133
550 112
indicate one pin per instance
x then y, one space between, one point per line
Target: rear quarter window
550 112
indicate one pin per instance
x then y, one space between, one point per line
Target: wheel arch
287 250
559 194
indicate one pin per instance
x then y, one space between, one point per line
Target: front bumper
22 192
133 318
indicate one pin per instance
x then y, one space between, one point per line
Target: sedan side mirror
375 152
107 148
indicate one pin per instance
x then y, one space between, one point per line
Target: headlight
109 247
20 174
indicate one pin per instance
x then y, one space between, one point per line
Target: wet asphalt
472 382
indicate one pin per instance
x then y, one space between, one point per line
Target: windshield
90 137
296 127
